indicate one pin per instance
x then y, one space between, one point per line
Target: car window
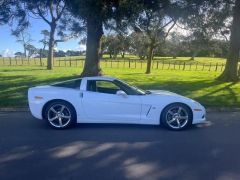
102 86
74 84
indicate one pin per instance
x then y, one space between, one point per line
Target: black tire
60 115
172 119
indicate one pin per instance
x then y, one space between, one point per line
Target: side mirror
121 93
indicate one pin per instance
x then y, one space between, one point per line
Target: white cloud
81 47
7 53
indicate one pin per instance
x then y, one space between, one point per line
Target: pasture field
199 85
130 62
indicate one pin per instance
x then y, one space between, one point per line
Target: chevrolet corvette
110 100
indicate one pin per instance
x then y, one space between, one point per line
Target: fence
128 63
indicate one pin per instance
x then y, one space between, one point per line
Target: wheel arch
53 100
190 109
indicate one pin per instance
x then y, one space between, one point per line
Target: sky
8 44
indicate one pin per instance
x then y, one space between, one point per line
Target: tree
213 17
139 45
24 38
44 42
59 53
50 11
97 13
124 43
19 54
32 50
155 25
5 12
231 72
197 42
12 13
113 46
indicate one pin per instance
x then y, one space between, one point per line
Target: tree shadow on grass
13 89
22 70
213 96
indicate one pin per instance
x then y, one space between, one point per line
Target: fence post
222 66
184 65
210 67
129 64
216 67
174 65
70 62
203 66
163 64
157 64
190 67
196 66
10 61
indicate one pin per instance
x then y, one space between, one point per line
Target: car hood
169 95
164 93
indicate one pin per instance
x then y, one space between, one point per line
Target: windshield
131 90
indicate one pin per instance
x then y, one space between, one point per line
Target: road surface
29 149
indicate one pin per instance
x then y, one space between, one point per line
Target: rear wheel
176 116
60 115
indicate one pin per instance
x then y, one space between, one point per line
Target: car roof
101 78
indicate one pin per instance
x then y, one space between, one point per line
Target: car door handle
81 95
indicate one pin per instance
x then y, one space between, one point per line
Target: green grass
61 60
199 85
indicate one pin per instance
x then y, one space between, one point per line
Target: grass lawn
199 85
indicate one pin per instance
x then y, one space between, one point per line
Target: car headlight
198 106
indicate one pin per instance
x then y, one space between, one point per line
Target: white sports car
110 100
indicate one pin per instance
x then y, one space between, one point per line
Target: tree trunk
25 50
94 34
123 54
230 72
41 50
149 60
114 54
51 46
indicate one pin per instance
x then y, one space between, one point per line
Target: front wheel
60 115
176 116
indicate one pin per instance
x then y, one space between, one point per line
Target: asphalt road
29 149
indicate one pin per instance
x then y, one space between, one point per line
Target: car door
101 103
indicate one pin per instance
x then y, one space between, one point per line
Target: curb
212 109
222 109
23 109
